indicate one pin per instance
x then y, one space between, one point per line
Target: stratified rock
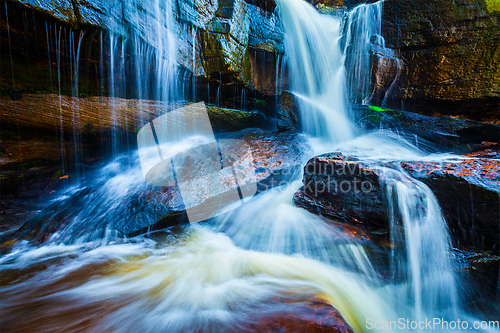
288 113
51 112
451 54
468 192
467 189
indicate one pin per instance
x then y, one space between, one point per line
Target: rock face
345 188
468 192
288 113
444 133
451 51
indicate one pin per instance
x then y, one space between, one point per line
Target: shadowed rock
345 188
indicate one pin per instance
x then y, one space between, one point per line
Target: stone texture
333 187
51 112
451 51
467 190
288 113
74 12
443 133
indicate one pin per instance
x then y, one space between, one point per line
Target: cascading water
316 63
226 275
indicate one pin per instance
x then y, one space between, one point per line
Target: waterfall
230 272
363 27
316 62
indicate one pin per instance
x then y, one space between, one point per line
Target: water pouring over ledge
205 280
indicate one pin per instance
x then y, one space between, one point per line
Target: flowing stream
225 275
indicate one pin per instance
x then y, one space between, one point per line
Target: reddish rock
304 317
467 190
340 187
468 193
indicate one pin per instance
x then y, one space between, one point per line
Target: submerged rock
345 188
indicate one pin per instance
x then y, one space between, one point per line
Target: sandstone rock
467 189
288 113
451 55
49 112
315 316
344 188
468 192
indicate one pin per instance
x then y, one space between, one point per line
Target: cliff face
451 52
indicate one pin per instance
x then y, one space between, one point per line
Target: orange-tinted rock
344 188
304 317
468 191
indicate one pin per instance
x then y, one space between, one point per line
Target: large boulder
345 188
451 53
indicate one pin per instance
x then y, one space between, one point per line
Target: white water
316 63
225 277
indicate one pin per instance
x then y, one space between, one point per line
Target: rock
288 113
345 188
302 317
468 192
73 12
448 133
49 111
93 208
451 55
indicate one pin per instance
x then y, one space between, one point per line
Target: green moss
493 6
377 108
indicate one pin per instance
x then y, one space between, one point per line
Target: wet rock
480 273
344 188
315 316
50 111
69 11
449 133
288 113
273 161
451 56
228 40
467 190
